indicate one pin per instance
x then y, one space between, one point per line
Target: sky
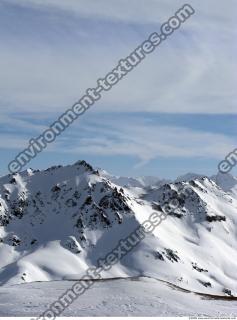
175 113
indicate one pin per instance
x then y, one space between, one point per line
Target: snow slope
56 223
122 297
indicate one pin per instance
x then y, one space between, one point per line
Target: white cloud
142 139
12 141
192 72
147 141
139 11
14 123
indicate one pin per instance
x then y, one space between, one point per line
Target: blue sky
175 113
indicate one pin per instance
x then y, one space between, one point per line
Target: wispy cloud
53 50
146 141
64 46
141 138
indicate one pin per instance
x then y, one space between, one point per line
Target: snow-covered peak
131 182
189 176
226 181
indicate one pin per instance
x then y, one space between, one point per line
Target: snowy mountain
56 223
226 181
139 182
189 176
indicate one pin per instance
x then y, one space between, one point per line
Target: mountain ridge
58 222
